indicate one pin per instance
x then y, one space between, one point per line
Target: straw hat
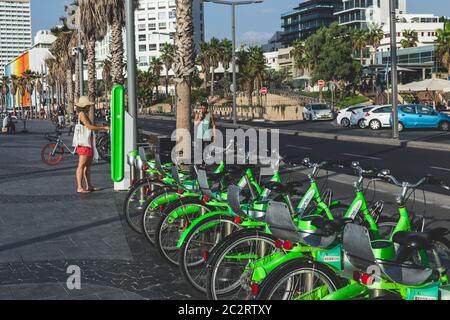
84 102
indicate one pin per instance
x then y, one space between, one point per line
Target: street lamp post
394 79
233 5
131 69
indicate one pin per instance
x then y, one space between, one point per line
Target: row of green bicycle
247 232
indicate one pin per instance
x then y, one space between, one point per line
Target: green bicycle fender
350 291
164 200
182 210
197 221
268 264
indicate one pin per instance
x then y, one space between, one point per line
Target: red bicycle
53 153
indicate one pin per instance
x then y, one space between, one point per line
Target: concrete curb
336 137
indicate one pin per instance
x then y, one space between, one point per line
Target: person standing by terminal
86 154
205 126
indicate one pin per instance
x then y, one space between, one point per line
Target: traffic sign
321 83
264 91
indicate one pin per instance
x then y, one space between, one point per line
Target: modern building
15 30
307 18
425 25
364 13
155 25
414 63
274 43
32 59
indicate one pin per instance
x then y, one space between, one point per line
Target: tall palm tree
226 55
246 72
107 79
214 52
39 90
93 28
14 84
257 63
410 39
203 61
156 66
5 90
184 67
113 11
376 34
298 52
360 40
28 78
443 45
167 56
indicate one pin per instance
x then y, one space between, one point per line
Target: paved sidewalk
45 227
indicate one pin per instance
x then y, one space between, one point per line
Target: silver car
317 111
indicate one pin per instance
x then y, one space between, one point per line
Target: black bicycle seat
419 240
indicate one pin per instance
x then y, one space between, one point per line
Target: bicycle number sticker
355 209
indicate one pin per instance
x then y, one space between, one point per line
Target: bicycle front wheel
52 154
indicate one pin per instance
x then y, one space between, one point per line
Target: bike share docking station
122 137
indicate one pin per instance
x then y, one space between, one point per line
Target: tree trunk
69 91
361 56
212 81
77 80
116 51
167 81
184 66
92 77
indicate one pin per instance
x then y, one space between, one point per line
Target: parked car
358 115
421 117
317 111
344 115
378 117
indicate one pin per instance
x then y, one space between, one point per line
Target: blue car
418 116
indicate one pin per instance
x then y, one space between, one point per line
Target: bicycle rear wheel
52 154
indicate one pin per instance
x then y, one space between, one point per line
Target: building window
142 48
162 15
162 26
141 27
152 47
151 26
142 37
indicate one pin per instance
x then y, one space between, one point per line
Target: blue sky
255 23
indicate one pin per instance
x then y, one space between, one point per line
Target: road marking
361 156
299 147
445 207
439 168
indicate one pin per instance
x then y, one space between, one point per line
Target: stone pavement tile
5 293
38 291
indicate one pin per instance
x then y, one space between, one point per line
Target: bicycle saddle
419 240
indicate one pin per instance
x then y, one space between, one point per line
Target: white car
378 117
344 115
317 111
358 115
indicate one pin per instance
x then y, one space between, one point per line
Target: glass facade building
307 18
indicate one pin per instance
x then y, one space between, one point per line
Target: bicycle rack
131 159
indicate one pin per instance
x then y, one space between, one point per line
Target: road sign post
321 84
264 91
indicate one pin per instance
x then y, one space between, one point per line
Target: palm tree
214 52
113 11
28 77
203 60
39 89
184 67
107 79
145 84
376 34
360 40
247 76
167 56
5 91
410 39
257 63
14 84
226 55
93 29
443 45
156 67
298 52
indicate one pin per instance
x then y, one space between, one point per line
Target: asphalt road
430 135
408 164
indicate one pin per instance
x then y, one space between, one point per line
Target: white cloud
254 37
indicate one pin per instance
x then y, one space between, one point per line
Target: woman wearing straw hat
86 154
